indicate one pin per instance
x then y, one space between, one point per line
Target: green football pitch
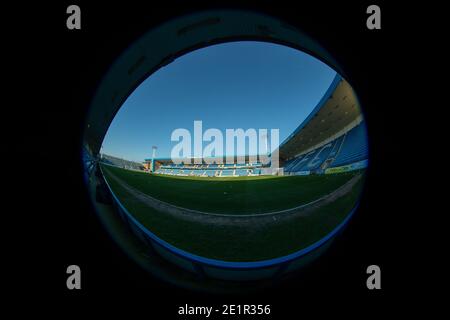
232 195
249 240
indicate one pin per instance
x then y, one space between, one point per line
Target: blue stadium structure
355 147
209 170
120 162
331 139
349 148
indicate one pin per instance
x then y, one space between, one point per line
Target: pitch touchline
159 204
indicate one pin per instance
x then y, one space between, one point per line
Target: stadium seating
122 163
336 147
210 173
256 171
354 148
241 172
227 173
290 164
211 170
306 160
348 148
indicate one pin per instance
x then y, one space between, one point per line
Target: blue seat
348 148
354 147
241 172
227 172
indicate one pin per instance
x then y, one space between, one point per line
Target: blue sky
233 85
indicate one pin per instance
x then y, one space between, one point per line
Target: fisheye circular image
233 159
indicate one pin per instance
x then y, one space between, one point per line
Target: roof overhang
337 110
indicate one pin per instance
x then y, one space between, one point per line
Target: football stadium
234 218
322 163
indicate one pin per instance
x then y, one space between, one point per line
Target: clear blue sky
233 85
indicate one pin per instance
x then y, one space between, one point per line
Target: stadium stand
336 147
256 171
348 148
210 173
354 148
241 172
332 135
226 173
122 163
89 163
211 170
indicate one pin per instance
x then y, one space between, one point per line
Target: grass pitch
234 195
244 194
